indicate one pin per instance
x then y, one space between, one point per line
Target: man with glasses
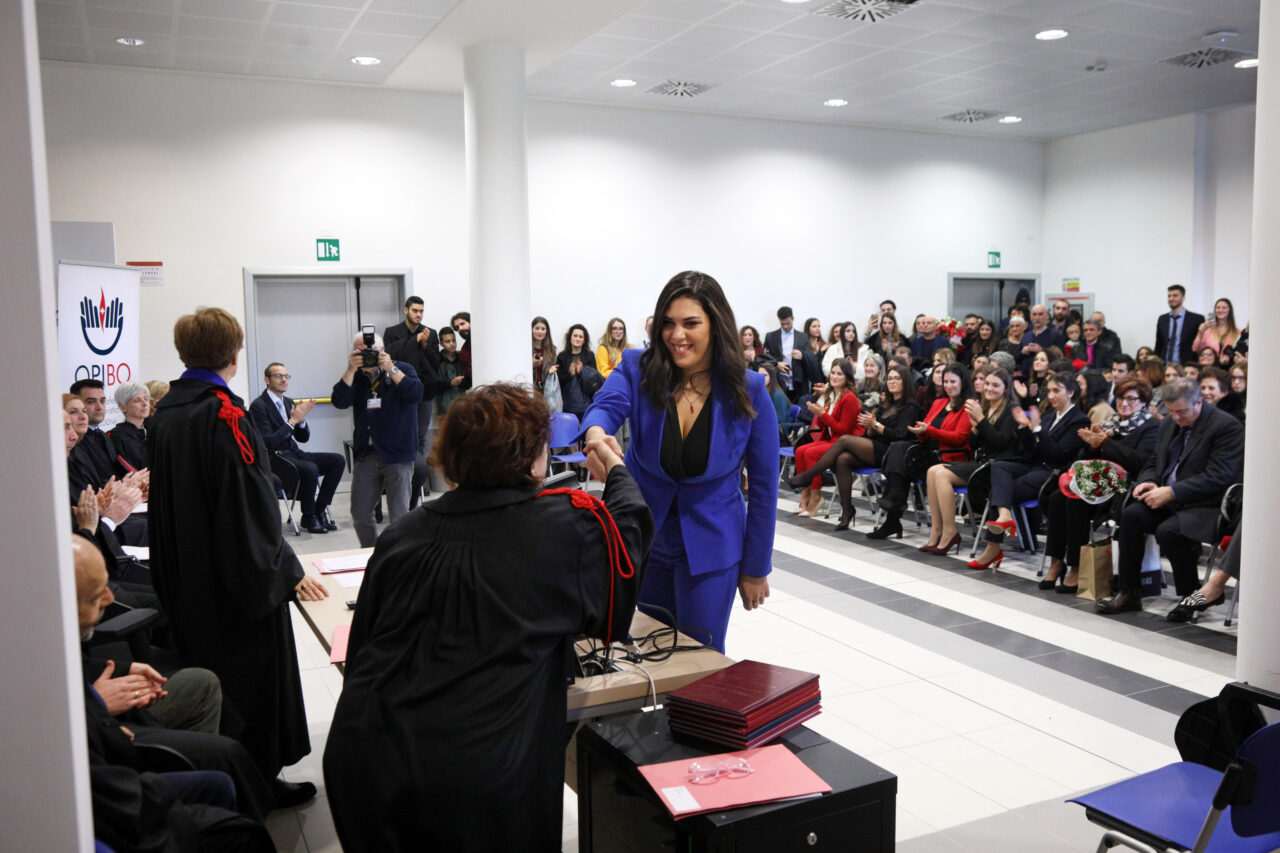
1199 454
282 421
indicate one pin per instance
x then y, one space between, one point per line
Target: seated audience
1094 390
1214 591
781 405
1240 381
282 423
1012 341
886 339
95 451
930 389
926 342
992 436
1050 441
130 435
1105 335
1093 350
1144 353
1127 439
1040 336
871 386
1199 453
132 810
983 342
845 345
942 435
1215 389
896 412
454 691
835 415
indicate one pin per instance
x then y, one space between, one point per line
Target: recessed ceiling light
1009 119
1247 63
130 41
1051 35
623 83
834 102
366 60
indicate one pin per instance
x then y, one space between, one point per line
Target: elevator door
988 296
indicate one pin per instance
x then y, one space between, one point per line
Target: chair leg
921 502
1231 608
872 490
288 507
982 525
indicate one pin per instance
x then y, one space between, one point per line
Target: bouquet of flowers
1093 481
951 329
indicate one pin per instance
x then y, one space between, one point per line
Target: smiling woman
698 416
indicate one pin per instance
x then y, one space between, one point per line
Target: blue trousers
699 604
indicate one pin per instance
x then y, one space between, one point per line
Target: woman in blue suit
698 416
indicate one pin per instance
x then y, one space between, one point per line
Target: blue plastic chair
564 431
1166 808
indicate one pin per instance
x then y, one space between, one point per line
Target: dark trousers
1013 482
1069 524
904 462
311 467
1136 522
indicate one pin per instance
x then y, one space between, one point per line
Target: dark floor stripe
1150 691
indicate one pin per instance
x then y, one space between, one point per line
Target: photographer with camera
383 395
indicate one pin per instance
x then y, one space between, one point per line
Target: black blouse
683 457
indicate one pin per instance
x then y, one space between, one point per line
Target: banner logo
97 322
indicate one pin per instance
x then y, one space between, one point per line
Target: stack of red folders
744 705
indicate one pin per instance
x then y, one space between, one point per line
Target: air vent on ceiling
1206 56
970 116
680 88
864 10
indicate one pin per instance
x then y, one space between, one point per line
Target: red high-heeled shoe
995 561
1010 527
943 549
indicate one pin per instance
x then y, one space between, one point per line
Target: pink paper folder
338 646
778 775
335 565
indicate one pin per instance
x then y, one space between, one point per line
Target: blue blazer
719 529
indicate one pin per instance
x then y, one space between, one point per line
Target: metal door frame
992 276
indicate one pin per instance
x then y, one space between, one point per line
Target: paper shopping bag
1095 570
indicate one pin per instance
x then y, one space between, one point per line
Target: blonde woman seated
994 435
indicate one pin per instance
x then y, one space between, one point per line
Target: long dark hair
888 404
966 382
661 378
1096 389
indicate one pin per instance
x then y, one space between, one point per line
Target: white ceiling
762 57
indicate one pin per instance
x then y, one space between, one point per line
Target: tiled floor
992 701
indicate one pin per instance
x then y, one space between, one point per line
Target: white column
45 790
1258 651
498 212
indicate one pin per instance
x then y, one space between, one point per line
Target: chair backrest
1262 814
793 412
564 426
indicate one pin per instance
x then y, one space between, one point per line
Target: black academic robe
450 731
131 444
221 566
95 454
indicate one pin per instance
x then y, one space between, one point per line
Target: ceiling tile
313 16
50 34
237 10
309 37
59 15
387 23
65 52
774 44
127 23
430 8
950 65
294 54
164 7
210 64
756 18
223 48
682 10
639 27
266 68
390 49
944 43
602 45
218 29
713 37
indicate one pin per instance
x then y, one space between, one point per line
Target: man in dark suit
1092 350
283 423
1177 330
1199 454
784 344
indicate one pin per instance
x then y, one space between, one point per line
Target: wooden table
598 695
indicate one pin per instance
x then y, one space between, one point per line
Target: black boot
892 526
895 494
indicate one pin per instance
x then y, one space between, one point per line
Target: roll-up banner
98 327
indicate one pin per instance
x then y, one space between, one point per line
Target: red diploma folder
776 775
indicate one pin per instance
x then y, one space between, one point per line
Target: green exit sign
327 249
993 258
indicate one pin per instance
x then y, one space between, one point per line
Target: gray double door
309 324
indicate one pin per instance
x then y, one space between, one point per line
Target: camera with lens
369 355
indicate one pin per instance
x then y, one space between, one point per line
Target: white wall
1118 214
828 220
1229 204
1121 208
213 174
